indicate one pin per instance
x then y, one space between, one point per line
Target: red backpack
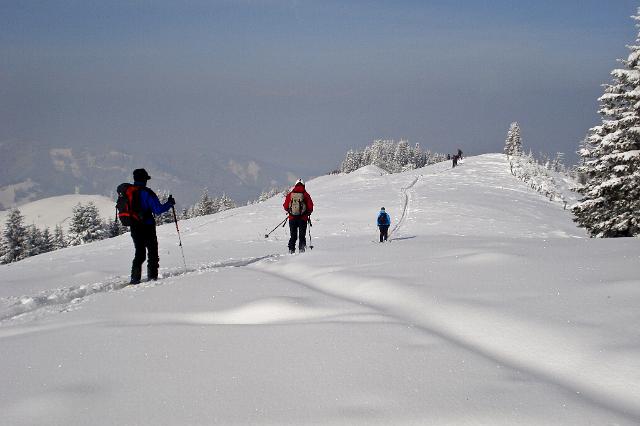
128 204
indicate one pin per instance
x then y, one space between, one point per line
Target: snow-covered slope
487 307
53 211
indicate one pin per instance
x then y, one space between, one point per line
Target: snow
53 211
488 306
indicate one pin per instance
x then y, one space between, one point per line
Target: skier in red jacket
299 205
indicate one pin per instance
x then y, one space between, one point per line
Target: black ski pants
384 232
298 230
145 240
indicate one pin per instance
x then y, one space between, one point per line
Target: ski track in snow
504 340
406 194
405 205
63 298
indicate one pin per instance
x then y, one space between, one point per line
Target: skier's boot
152 274
136 275
301 249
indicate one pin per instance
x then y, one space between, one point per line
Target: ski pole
310 225
175 219
277 226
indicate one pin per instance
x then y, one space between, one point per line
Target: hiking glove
171 201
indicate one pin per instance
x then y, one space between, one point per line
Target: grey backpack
297 206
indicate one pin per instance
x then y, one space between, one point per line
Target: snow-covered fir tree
351 162
34 241
389 155
225 203
513 143
382 155
187 213
206 205
403 156
14 238
59 240
265 195
558 163
115 228
86 225
611 157
166 217
47 241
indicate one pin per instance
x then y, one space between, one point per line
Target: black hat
141 175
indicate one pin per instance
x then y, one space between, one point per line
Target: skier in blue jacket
384 221
143 232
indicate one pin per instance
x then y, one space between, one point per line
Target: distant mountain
31 171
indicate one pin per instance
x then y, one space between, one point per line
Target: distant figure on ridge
384 222
137 206
299 205
459 154
454 159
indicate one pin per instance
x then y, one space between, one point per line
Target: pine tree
418 158
34 241
86 225
402 155
265 195
226 203
166 217
187 213
351 161
366 156
115 228
206 205
47 241
59 240
558 162
14 238
390 156
375 154
2 249
513 143
611 157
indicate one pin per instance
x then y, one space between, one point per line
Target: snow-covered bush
265 195
86 225
208 205
536 175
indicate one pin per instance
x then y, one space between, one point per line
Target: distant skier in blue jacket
143 232
384 222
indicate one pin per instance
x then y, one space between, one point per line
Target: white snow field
488 307
53 211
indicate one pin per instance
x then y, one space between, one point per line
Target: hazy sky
303 81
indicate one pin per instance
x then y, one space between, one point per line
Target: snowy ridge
489 307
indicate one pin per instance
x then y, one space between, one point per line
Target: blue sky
303 81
